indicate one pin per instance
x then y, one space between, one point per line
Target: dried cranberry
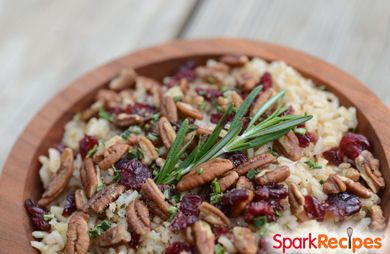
215 117
274 191
86 144
135 238
314 208
115 110
186 66
260 208
189 205
208 93
36 214
141 109
306 139
177 248
233 197
343 204
333 156
266 81
237 158
133 172
70 204
185 71
181 221
352 144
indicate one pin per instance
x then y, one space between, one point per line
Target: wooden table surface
45 44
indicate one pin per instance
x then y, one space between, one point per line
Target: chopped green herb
92 151
300 131
312 164
215 186
152 136
203 106
251 174
175 197
322 87
167 193
271 151
117 174
172 211
48 217
155 117
259 221
126 134
99 229
177 98
105 115
322 181
215 198
200 171
100 186
136 153
219 249
278 214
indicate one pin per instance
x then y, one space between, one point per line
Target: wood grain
20 177
352 34
45 44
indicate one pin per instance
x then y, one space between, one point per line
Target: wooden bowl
20 178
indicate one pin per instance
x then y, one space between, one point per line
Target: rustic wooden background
45 44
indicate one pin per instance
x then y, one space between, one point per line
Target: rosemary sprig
256 134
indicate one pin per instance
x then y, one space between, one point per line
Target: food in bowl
215 158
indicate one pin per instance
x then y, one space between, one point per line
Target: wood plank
45 44
354 34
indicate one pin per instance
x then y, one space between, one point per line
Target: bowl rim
17 166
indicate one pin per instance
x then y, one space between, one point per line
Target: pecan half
246 80
113 236
188 110
88 177
167 132
149 151
215 74
137 215
352 174
244 183
210 170
125 120
77 238
334 185
234 60
378 221
59 182
112 154
124 79
369 170
244 240
147 84
228 179
297 202
240 207
213 215
255 162
100 200
109 98
263 98
92 111
288 145
80 199
156 200
277 175
357 188
204 131
168 108
236 99
203 237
